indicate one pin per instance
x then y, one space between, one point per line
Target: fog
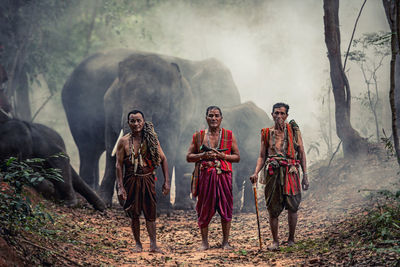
274 49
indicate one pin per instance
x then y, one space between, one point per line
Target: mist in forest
275 50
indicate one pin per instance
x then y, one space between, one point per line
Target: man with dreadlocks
140 153
281 153
213 150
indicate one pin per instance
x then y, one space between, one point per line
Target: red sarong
215 194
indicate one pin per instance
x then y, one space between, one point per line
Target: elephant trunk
83 188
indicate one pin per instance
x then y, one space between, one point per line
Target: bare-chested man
140 153
214 189
281 153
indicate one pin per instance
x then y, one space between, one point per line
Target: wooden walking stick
258 220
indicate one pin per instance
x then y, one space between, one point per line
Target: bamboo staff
258 220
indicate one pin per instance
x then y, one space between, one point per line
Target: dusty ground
89 238
331 231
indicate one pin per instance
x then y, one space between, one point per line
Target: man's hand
122 193
304 182
210 155
254 178
220 155
165 189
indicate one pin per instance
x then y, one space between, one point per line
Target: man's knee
292 213
274 214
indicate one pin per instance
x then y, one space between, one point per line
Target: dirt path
90 238
330 231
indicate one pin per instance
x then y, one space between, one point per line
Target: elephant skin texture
32 140
173 93
246 121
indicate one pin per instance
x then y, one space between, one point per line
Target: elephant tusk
4 116
114 151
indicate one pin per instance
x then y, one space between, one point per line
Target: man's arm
303 162
260 161
234 156
164 166
192 156
119 165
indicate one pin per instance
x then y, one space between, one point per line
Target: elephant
246 121
155 86
95 107
32 140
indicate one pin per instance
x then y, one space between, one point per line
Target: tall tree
372 49
393 16
24 33
353 143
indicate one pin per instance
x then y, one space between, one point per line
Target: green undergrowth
17 212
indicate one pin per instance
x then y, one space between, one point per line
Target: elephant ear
112 107
177 68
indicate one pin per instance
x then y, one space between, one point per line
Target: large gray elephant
157 87
31 140
92 101
246 121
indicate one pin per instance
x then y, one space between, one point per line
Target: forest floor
339 224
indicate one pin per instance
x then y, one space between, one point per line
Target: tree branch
41 107
352 35
333 155
51 251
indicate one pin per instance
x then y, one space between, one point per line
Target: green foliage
313 146
16 209
387 141
383 223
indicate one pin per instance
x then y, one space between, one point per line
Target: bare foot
204 246
138 248
290 243
274 246
226 246
156 249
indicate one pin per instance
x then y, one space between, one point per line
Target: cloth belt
209 165
291 166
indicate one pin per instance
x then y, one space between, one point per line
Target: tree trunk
22 102
353 144
18 85
392 15
330 142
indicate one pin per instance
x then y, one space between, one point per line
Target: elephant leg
46 188
169 144
163 202
89 162
183 175
237 193
96 174
248 200
64 188
108 182
83 188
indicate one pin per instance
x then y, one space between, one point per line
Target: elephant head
155 86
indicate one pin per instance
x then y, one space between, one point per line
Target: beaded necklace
135 161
